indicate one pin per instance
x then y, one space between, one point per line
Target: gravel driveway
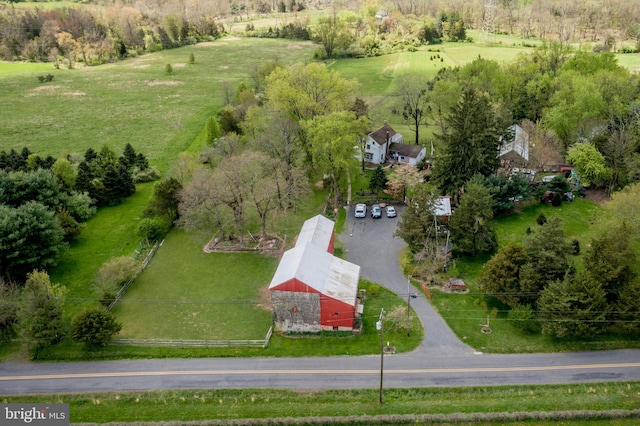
371 244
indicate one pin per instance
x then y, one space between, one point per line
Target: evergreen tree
165 199
141 161
85 180
418 222
40 317
90 155
378 181
470 224
128 156
611 260
212 130
625 311
95 327
501 275
30 238
470 145
575 306
547 252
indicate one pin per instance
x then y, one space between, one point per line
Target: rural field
161 115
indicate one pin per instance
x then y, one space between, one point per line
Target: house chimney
386 154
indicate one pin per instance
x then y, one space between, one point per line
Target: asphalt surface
371 244
441 360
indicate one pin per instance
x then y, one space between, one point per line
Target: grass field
193 405
133 101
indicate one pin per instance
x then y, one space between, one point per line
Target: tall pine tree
471 144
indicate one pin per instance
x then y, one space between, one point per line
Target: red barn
312 290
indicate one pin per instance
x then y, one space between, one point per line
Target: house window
368 146
336 314
368 156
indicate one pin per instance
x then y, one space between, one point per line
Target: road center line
323 372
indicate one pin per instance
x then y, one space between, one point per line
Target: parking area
370 243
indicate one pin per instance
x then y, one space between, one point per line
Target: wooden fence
180 343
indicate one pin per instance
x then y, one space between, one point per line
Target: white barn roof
320 270
317 230
519 144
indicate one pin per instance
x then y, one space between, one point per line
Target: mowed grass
226 404
133 101
187 294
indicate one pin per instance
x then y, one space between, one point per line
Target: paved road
371 244
441 360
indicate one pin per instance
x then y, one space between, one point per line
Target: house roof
442 206
318 230
519 144
320 270
380 135
406 150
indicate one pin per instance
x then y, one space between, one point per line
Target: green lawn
187 294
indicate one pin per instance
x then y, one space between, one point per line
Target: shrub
116 272
373 290
524 318
541 219
94 327
168 69
151 229
45 78
145 175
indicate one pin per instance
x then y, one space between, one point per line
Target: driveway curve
371 244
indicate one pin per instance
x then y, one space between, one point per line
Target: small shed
455 284
442 206
319 231
312 290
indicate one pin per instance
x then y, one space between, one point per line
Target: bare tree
278 136
413 91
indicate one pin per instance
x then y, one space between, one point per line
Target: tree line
45 201
103 32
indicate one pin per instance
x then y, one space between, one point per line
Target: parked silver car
376 211
391 211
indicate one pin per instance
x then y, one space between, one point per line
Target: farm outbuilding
312 290
318 231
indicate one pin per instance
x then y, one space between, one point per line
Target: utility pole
409 306
380 327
